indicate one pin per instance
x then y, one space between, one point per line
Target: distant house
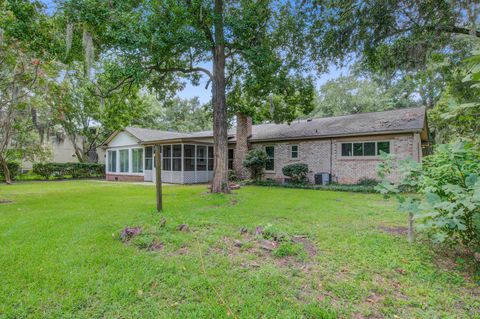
345 147
62 151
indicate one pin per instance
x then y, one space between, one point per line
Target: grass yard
61 256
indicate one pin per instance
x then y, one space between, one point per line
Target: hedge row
14 169
332 187
74 170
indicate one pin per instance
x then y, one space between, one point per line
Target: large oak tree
160 44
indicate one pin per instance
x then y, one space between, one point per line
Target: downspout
331 156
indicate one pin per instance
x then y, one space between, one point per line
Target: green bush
364 181
448 182
74 170
330 187
255 161
14 168
43 169
232 176
297 172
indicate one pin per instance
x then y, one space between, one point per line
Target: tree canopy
255 46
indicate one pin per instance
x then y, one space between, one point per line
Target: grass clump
288 248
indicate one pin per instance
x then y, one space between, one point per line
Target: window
210 158
231 155
294 151
201 158
383 147
137 160
369 149
112 161
188 157
357 149
270 165
365 148
148 158
167 157
346 149
177 157
123 161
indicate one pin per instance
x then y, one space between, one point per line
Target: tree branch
183 70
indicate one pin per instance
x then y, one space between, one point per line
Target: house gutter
320 137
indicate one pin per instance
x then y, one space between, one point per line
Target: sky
204 95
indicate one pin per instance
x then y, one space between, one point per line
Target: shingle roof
145 134
412 119
401 120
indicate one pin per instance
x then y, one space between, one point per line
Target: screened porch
181 163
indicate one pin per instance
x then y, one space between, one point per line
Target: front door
148 171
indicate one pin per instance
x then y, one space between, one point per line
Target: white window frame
291 152
141 160
120 151
339 147
109 152
129 148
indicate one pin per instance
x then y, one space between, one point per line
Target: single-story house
346 147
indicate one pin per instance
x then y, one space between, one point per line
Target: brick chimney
243 132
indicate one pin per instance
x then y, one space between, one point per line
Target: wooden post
158 180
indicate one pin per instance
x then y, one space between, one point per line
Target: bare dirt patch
5 201
394 230
307 244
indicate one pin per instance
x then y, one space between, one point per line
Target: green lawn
61 256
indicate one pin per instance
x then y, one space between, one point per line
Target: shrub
232 176
297 172
43 169
14 168
331 187
449 185
255 161
74 170
364 181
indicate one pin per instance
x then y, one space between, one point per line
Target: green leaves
448 203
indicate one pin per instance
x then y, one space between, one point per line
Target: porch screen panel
148 158
201 158
177 157
188 157
210 158
167 158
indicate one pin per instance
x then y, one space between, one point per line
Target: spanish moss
87 42
69 37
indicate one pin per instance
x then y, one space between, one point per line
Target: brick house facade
345 147
324 156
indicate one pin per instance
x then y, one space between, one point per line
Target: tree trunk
220 135
6 171
241 147
411 236
78 151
